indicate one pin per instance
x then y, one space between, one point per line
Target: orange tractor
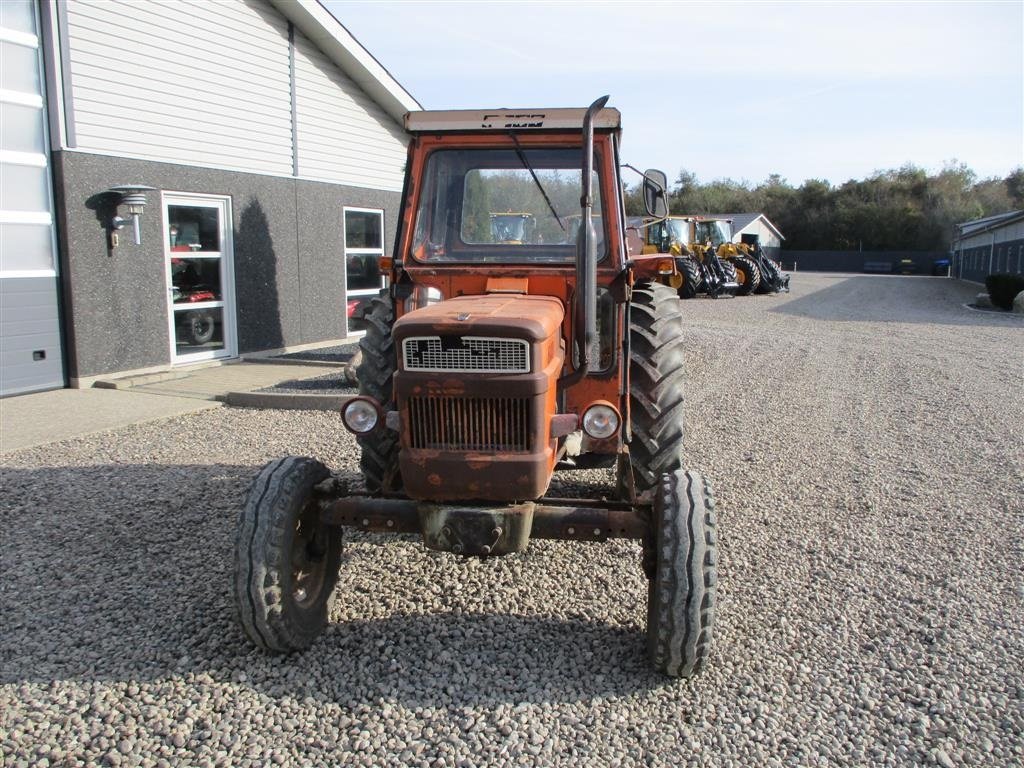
487 365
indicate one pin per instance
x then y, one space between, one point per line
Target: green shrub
1003 288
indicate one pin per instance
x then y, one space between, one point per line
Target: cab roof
571 118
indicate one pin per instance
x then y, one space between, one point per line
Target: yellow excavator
512 228
701 268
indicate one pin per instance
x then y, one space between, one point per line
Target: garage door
30 345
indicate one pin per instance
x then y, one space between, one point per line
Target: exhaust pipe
585 310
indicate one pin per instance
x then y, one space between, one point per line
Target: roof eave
999 220
331 37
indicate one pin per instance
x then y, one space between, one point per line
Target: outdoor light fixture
134 196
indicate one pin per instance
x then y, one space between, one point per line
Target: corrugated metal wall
342 134
183 81
209 84
999 250
30 341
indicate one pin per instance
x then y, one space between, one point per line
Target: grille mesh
466 354
470 423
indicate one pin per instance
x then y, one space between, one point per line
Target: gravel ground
341 353
865 438
333 383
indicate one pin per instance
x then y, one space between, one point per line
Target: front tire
691 278
375 374
656 387
747 275
286 559
681 595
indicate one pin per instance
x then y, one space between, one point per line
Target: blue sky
739 90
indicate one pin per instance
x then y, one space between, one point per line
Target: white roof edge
564 118
772 226
331 37
756 217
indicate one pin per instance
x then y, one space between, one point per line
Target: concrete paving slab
47 417
215 383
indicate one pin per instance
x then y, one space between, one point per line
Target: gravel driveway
864 435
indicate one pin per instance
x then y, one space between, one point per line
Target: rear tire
691 278
681 595
375 374
656 387
747 275
286 560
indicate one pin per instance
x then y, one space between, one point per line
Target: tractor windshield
484 205
717 232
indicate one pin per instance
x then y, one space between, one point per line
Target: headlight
360 415
600 421
422 296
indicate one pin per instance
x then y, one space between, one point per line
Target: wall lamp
134 196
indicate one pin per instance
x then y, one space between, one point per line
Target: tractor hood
534 318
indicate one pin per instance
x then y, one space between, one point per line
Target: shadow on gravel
340 353
894 299
334 383
122 573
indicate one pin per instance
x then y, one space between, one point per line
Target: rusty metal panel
470 423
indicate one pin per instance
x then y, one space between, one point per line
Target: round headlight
422 296
360 416
600 421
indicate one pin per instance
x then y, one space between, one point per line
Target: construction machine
701 268
512 228
485 366
773 279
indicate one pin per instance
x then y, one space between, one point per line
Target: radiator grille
470 423
465 354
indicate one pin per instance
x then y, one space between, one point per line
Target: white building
273 146
754 227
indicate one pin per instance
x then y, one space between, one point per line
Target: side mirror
655 193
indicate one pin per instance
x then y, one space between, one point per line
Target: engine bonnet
534 318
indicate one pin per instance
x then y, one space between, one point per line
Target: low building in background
265 143
988 246
755 225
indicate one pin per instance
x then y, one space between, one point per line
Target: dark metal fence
881 262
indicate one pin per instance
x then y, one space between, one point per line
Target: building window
364 245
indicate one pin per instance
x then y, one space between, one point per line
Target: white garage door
30 345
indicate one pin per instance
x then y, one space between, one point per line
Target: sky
737 90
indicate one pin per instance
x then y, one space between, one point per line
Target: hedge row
1003 289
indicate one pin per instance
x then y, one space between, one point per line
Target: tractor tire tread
260 556
753 274
375 374
657 345
682 597
691 277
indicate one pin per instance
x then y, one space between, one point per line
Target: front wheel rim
308 557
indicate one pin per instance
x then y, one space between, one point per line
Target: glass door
200 277
364 245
